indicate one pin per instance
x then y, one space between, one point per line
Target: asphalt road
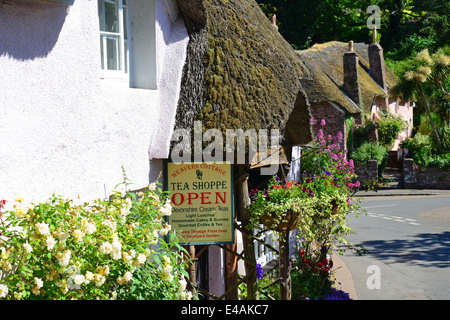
407 239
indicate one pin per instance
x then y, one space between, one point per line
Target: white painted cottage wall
64 130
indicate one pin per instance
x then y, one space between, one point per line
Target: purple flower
335 294
328 173
322 123
259 272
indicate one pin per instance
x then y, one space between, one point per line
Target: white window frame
263 254
124 46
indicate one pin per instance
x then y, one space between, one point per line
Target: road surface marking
384 205
394 218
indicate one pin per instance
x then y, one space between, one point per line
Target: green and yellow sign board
202 202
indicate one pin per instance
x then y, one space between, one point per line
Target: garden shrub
438 161
444 136
389 126
425 124
362 134
116 249
420 147
371 151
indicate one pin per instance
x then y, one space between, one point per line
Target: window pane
109 16
110 50
112 45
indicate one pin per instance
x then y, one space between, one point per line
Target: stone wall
367 172
415 176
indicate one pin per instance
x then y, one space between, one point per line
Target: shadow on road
425 249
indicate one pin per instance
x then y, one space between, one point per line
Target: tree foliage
425 79
407 26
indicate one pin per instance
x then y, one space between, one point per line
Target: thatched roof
325 61
240 72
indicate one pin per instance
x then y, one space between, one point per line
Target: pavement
382 192
344 279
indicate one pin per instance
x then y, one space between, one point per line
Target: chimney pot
350 46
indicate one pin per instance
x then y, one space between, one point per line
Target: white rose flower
3 291
20 212
182 285
127 276
64 258
165 210
99 279
50 243
78 235
111 223
39 282
165 275
116 245
79 279
106 248
141 258
187 295
90 228
43 228
152 186
27 247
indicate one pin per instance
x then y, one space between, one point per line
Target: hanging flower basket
286 222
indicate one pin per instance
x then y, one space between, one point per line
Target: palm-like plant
424 70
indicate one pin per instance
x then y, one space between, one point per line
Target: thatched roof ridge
240 72
325 62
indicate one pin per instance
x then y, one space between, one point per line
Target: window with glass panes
114 47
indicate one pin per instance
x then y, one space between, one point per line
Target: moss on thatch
325 62
240 72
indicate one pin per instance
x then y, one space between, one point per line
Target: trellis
229 291
247 255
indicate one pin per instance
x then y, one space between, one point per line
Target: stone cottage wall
335 119
415 176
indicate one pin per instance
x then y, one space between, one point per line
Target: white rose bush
115 249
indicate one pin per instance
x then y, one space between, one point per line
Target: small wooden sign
202 202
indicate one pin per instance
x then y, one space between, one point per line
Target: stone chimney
351 81
377 65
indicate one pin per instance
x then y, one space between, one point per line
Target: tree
407 26
304 23
421 76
